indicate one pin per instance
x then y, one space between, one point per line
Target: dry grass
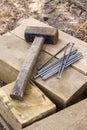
61 14
81 30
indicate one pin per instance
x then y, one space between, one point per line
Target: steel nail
41 66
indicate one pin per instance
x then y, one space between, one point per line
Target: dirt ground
68 15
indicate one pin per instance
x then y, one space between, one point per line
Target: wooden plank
4 124
71 118
80 125
63 39
34 106
65 91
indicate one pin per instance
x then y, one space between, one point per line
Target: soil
68 15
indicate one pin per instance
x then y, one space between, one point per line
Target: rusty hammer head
49 33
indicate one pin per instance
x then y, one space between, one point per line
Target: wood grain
34 106
4 124
50 35
64 38
65 91
26 71
71 118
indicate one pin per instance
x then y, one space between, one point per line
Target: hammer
37 35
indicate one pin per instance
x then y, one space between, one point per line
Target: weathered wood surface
80 125
34 105
78 121
63 39
64 91
71 118
27 69
4 124
50 35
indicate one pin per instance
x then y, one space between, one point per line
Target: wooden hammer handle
27 68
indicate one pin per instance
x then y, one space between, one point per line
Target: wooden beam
34 106
4 124
65 91
63 39
71 118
